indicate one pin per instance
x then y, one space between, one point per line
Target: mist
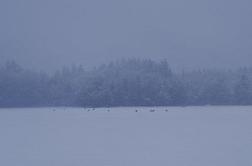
125 82
192 34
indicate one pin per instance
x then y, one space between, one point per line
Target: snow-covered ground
172 136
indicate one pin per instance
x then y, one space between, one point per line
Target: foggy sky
46 34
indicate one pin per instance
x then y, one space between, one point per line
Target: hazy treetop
195 33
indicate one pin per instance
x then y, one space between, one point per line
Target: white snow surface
183 136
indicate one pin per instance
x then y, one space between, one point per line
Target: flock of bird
108 110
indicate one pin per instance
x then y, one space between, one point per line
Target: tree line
129 82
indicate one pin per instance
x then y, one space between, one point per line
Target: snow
183 136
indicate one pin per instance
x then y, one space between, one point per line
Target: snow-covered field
172 136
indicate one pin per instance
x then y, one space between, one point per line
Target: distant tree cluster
130 82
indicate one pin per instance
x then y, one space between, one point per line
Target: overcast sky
47 34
